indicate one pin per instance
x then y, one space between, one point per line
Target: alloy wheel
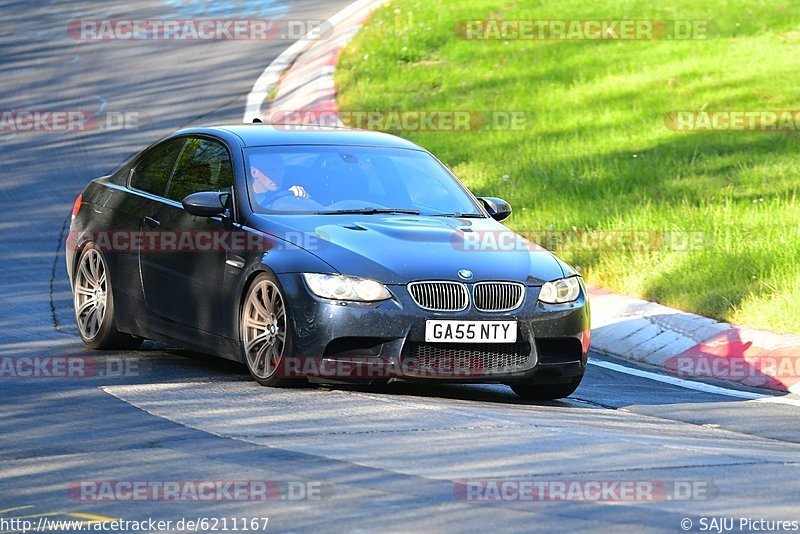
90 293
263 327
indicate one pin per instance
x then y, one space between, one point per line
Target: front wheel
94 304
265 333
530 391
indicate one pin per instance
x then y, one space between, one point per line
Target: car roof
251 135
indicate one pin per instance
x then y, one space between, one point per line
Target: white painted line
674 381
696 386
268 79
271 75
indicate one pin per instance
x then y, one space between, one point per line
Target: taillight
77 206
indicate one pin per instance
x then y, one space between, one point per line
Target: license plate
439 331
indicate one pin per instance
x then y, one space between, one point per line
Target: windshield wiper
458 215
368 211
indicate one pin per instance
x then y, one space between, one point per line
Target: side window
204 165
120 176
152 172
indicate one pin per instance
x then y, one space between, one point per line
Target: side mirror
498 208
204 203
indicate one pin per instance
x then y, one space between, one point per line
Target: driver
267 172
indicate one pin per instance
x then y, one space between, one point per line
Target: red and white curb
692 346
684 345
303 73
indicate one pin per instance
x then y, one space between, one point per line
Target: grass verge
595 158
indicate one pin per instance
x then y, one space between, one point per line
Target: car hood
397 249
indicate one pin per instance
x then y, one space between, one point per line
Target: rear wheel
94 304
264 328
530 391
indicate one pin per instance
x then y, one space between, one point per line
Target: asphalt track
388 458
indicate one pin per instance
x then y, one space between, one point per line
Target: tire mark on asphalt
53 314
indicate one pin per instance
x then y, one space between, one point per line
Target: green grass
595 153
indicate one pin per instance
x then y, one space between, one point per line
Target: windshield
345 179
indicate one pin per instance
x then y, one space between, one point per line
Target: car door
183 277
147 183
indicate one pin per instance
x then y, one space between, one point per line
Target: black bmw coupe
331 255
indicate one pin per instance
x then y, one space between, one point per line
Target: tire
265 332
527 390
93 300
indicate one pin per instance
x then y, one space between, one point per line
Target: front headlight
560 291
340 287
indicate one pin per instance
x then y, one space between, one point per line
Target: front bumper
347 341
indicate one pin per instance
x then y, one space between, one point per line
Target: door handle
152 222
